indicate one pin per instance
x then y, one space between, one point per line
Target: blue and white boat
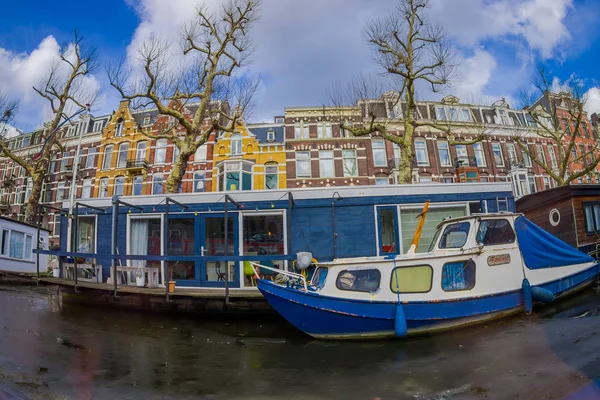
478 268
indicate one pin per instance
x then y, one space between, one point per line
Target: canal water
73 352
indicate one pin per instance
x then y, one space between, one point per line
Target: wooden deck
183 301
183 292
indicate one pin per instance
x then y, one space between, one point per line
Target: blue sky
302 47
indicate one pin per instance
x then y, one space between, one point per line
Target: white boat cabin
470 256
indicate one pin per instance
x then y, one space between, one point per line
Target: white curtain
139 240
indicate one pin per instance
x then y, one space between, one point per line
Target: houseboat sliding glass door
203 235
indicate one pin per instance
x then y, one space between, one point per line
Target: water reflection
96 353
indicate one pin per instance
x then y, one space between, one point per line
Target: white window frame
122 185
478 148
162 179
298 161
421 145
497 152
326 159
160 151
349 154
107 155
378 147
122 155
103 184
133 184
200 154
86 189
236 144
446 149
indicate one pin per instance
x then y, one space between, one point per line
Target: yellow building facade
124 154
251 158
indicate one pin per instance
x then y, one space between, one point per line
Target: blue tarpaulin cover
541 249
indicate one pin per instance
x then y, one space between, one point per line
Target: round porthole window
554 217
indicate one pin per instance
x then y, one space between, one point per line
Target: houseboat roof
23 223
549 196
501 214
313 193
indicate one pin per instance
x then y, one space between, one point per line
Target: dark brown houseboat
571 213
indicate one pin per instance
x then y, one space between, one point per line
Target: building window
498 158
462 155
140 151
175 154
421 153
301 130
157 184
270 136
60 192
107 161
458 275
90 161
122 156
397 155
526 159
324 130
30 188
161 151
512 154
591 211
103 187
86 190
97 126
119 128
444 153
540 154
530 120
382 181
236 144
138 182
119 185
573 153
453 114
56 225
199 181
349 162
553 160
200 154
326 165
235 176
271 176
379 156
547 183
363 280
303 164
479 157
532 185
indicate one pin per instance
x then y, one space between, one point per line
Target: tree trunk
177 173
32 209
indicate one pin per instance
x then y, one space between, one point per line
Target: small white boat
478 268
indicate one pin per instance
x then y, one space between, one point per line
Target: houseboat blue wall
311 224
355 221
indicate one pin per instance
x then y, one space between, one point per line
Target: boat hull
326 317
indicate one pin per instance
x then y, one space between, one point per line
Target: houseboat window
416 279
20 245
86 239
495 231
591 211
181 243
435 215
455 235
4 245
319 277
388 231
144 240
263 234
363 280
458 275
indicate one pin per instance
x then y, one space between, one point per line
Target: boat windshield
455 235
318 279
435 239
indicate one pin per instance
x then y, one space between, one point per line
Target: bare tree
67 92
559 113
214 47
411 50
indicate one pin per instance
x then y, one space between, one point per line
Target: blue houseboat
205 252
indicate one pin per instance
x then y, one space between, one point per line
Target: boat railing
294 275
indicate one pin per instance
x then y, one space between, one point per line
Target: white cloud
592 104
20 72
539 22
474 74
